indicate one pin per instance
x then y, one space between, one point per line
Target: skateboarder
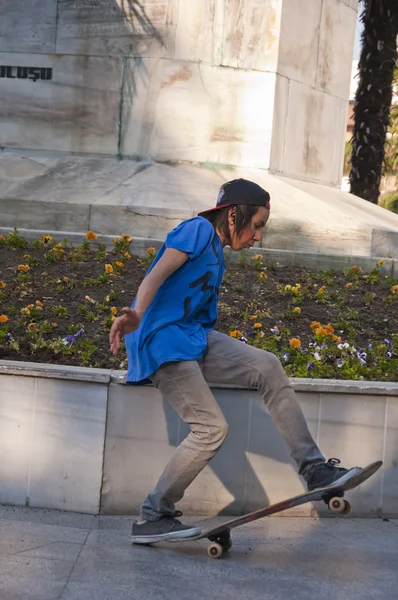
171 341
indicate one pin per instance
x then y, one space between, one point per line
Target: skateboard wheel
337 505
215 550
347 508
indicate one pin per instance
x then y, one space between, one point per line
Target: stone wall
79 439
242 82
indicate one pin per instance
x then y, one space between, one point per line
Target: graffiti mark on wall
32 73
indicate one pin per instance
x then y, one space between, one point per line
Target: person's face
251 233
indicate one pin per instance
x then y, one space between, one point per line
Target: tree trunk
373 98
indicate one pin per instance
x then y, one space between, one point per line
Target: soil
364 311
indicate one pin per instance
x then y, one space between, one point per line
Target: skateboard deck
220 536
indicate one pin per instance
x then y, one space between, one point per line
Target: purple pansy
70 339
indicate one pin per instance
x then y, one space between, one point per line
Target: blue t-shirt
184 309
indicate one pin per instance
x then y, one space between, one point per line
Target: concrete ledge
80 439
317 262
30 369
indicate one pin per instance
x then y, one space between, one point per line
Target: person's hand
128 322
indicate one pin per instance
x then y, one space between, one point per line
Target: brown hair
219 218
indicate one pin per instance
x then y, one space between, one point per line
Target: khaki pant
184 385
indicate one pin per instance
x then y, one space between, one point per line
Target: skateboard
220 536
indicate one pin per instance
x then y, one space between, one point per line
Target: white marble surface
335 48
251 34
175 110
148 199
28 26
236 82
307 142
68 442
116 27
298 46
76 111
52 435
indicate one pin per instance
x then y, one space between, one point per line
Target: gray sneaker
166 528
324 474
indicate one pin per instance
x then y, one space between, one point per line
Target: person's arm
171 260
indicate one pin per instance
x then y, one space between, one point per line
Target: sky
357 44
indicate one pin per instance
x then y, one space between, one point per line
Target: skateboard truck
220 543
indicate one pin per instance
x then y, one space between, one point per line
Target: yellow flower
108 268
58 281
2 237
114 310
389 255
329 328
288 288
257 325
381 263
297 309
25 311
126 238
394 289
263 275
2 285
107 298
235 334
355 268
89 299
30 306
315 324
39 303
90 235
322 289
119 264
295 343
321 331
114 240
3 319
65 279
347 285
151 250
257 257
46 238
26 256
24 268
54 324
127 255
38 307
32 326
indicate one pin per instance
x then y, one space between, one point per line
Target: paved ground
49 555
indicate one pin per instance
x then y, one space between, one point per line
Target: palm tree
391 160
373 97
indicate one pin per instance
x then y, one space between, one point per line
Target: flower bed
57 304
